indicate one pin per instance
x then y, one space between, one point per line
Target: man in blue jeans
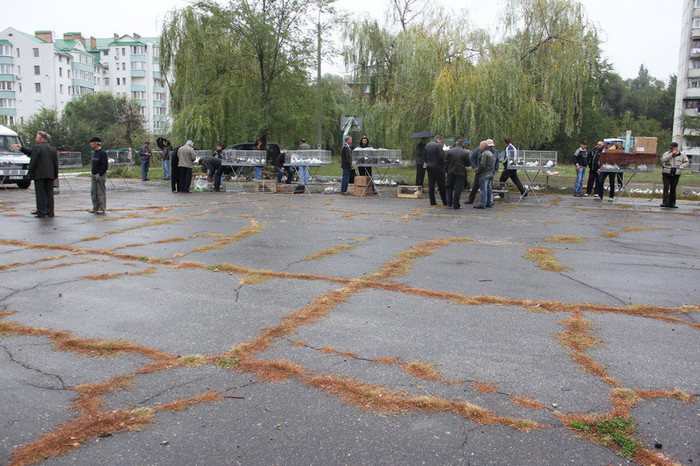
485 175
145 154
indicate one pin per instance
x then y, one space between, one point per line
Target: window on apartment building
693 84
68 74
697 4
5 50
6 68
7 103
37 70
17 53
696 23
36 51
123 50
105 52
37 87
60 89
138 65
695 64
691 103
138 95
106 81
60 72
7 86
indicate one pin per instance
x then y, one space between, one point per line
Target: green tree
47 120
240 71
114 119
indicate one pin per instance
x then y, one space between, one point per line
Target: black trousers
185 179
592 185
455 185
475 189
513 175
436 175
174 172
601 182
43 189
420 175
670 183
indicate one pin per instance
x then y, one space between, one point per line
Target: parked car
14 165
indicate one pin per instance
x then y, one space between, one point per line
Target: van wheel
23 184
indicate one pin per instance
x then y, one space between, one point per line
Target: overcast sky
634 32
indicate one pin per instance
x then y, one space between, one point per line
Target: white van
14 164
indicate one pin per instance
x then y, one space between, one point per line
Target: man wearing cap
186 157
99 163
145 154
672 163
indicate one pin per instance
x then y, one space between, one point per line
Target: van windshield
6 142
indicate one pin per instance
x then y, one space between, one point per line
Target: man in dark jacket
593 166
434 163
456 163
419 159
98 190
43 169
474 157
212 165
346 164
174 169
485 173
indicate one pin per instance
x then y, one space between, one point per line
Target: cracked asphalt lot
241 328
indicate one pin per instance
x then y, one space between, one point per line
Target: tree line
247 70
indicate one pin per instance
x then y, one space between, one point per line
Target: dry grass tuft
274 370
252 229
179 405
565 239
527 402
673 393
485 387
330 252
642 228
422 370
103 276
610 234
545 259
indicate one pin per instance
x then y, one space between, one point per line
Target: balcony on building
138 73
692 93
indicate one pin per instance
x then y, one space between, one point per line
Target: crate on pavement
265 186
410 192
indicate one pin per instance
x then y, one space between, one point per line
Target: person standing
186 157
364 144
214 172
167 149
474 161
580 163
43 170
346 164
175 169
419 159
511 154
303 170
99 165
435 163
673 162
258 170
456 163
145 155
485 174
593 166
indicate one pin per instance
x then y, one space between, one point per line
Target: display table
306 160
120 158
381 159
536 161
237 159
607 168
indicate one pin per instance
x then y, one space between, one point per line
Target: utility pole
319 127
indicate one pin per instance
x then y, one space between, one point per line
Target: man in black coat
174 170
419 159
435 162
99 166
346 164
43 169
456 163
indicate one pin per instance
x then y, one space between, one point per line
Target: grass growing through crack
565 239
615 432
545 259
335 250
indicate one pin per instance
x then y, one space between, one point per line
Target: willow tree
239 72
395 72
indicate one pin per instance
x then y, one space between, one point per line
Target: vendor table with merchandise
307 160
381 159
238 159
536 161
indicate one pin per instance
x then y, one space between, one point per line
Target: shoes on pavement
479 207
99 212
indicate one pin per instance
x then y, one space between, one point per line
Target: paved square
240 328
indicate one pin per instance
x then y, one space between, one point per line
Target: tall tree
47 120
235 68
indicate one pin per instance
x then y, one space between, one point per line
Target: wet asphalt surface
329 329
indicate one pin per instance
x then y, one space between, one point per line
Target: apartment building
39 71
688 84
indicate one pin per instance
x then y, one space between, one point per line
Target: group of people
673 162
448 170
